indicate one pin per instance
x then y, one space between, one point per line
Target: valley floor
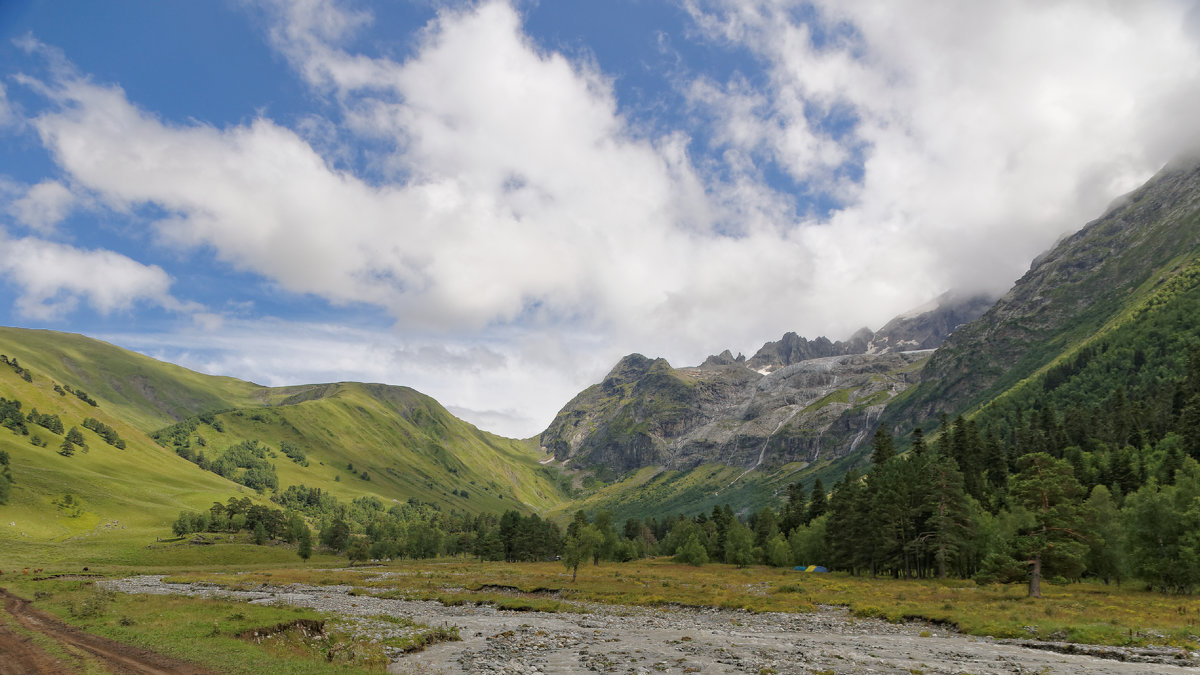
625 639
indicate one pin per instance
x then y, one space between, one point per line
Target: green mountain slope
147 393
1085 287
401 444
406 444
102 503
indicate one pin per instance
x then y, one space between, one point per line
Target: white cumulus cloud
53 278
44 205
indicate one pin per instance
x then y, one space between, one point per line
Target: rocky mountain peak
725 358
632 368
928 326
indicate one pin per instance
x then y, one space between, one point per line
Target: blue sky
493 201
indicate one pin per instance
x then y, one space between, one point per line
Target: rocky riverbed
624 639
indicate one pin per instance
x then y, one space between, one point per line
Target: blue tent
810 568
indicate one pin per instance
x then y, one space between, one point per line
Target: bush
692 552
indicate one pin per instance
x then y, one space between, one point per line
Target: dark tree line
17 368
1026 505
104 431
1089 469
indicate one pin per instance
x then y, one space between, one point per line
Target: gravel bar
626 639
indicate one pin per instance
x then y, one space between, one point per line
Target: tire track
25 657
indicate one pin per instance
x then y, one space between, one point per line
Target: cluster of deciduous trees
363 528
238 514
13 419
245 462
104 431
48 421
80 394
294 452
11 416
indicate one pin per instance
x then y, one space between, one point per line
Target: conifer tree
949 519
818 503
847 538
918 441
765 526
793 513
1046 487
883 448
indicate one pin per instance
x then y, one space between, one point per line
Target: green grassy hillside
657 492
406 443
140 390
401 444
102 503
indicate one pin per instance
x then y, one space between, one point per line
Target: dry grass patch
1086 612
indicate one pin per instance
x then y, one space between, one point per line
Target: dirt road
19 654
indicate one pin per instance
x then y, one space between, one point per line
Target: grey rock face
794 400
923 328
731 414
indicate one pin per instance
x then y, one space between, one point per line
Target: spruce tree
918 441
847 542
793 513
817 503
765 526
949 520
883 447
